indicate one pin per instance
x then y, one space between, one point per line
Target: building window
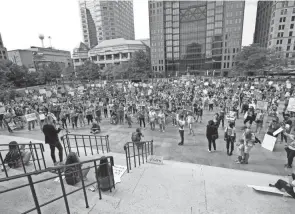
291 26
294 9
281 27
291 33
289 41
288 48
293 18
287 55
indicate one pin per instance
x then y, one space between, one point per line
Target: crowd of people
264 106
177 102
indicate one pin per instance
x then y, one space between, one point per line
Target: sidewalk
177 187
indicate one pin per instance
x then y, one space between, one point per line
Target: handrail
33 150
88 141
60 173
146 147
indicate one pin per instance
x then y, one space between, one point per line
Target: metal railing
36 157
59 170
95 143
138 149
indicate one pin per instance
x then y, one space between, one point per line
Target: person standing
181 123
211 134
51 138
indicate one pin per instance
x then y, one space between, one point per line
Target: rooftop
117 42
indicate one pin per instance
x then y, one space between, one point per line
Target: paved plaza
194 150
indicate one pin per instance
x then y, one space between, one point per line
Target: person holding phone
51 138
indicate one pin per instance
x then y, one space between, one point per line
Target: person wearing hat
287 187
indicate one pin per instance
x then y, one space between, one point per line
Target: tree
140 65
50 72
88 71
255 58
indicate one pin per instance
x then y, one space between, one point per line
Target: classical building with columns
115 51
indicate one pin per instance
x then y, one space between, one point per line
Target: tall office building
274 28
195 36
3 51
104 20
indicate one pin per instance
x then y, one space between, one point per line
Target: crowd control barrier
88 144
60 174
140 150
37 157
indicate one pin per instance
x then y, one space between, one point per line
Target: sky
21 22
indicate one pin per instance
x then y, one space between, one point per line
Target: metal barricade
90 144
60 174
138 149
34 150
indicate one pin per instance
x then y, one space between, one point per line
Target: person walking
230 138
181 123
51 138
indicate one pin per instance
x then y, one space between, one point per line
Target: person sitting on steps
95 129
14 156
105 175
72 173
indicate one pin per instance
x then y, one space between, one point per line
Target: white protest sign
48 93
269 142
278 131
261 105
291 105
42 117
2 110
205 91
288 85
155 159
231 115
206 83
30 117
12 125
118 172
270 82
252 87
80 88
42 91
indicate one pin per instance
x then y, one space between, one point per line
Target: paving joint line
139 180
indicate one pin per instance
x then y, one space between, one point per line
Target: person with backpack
72 173
230 138
136 136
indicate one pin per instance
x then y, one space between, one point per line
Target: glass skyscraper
195 36
104 20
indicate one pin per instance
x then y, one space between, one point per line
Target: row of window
281 34
227 65
158 68
234 13
283 19
280 41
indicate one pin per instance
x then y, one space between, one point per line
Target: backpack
135 137
71 175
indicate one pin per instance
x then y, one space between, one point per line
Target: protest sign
288 85
42 117
230 115
206 83
30 117
18 99
252 87
42 91
291 105
155 159
80 88
54 100
278 131
261 105
118 172
269 142
2 110
12 125
48 93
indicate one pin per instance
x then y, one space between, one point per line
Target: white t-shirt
181 124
